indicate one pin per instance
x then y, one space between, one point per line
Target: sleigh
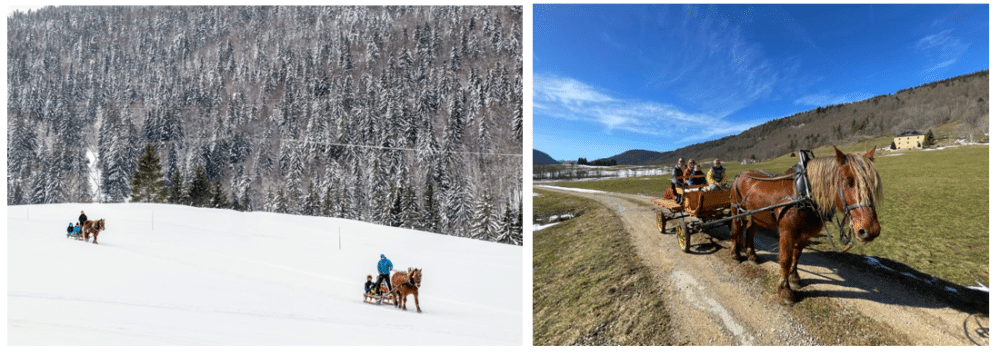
385 299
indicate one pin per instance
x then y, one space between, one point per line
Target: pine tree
175 192
218 195
200 192
482 218
411 211
311 207
431 218
929 139
147 181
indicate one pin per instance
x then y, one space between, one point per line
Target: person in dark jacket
384 268
69 229
83 218
369 286
697 177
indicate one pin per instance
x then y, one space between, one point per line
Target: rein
846 237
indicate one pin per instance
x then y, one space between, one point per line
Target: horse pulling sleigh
796 203
403 284
89 228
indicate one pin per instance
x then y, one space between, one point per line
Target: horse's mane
825 178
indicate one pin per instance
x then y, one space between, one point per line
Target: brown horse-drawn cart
697 211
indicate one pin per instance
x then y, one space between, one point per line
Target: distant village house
909 140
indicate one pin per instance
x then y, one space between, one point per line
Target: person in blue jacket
76 229
384 268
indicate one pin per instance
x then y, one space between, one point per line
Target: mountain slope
172 275
962 100
540 157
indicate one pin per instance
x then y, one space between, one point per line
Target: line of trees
404 116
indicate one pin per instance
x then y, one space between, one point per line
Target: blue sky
609 78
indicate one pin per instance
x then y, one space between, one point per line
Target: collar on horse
803 199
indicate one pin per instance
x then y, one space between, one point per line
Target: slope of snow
166 275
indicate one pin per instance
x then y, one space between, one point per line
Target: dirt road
712 302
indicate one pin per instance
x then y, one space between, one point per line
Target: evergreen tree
218 195
311 207
430 217
929 139
147 181
175 193
200 192
411 211
482 218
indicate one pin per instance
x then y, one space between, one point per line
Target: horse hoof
795 286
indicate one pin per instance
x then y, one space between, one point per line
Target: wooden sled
386 298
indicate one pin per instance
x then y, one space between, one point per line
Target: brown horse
847 183
94 227
407 283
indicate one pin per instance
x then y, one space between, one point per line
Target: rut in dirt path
711 305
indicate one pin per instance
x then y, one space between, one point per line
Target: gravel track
710 305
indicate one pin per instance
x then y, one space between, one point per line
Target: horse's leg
785 249
95 236
416 302
403 295
737 236
794 282
750 231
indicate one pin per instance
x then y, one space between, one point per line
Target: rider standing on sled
83 218
384 268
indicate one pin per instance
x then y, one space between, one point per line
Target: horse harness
804 200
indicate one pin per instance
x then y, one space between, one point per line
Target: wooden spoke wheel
683 236
661 222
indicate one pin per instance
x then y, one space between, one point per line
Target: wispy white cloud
826 98
942 49
572 100
713 65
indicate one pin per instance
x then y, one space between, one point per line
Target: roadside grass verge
648 185
589 285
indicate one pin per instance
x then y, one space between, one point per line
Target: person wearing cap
716 176
83 218
69 230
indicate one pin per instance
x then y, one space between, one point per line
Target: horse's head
415 276
100 224
859 187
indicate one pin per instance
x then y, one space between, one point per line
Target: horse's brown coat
94 227
854 174
408 283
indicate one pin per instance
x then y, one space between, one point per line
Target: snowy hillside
168 274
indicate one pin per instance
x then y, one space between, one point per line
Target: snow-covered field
166 275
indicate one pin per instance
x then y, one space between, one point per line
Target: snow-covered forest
402 116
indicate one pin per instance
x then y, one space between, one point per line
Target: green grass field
935 216
589 286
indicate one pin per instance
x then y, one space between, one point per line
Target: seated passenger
716 176
697 177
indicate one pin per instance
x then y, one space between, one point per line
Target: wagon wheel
683 236
661 221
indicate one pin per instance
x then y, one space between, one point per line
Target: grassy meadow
589 286
935 216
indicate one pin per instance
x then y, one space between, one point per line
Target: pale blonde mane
825 178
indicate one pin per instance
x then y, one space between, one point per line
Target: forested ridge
402 116
963 100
